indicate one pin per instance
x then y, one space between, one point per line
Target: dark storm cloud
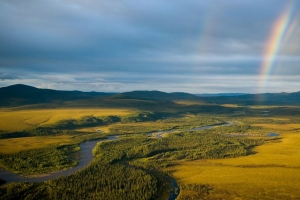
112 45
4 77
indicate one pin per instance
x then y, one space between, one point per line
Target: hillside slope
16 95
155 95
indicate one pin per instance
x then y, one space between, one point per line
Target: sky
194 46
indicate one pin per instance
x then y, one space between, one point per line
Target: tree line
97 181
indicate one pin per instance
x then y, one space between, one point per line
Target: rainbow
205 30
277 35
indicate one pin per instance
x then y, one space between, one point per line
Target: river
160 134
87 157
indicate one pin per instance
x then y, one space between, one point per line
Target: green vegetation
177 146
240 129
40 161
197 191
271 173
44 154
91 121
41 115
15 145
205 163
114 174
180 123
95 182
68 126
134 154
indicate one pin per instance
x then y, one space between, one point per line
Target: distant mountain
154 95
16 95
257 99
221 94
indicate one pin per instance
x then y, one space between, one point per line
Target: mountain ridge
20 94
154 95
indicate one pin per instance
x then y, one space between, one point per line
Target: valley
211 151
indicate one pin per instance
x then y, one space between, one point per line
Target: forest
97 181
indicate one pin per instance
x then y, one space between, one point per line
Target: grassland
128 128
280 127
19 119
14 145
271 173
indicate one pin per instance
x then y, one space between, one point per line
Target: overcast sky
194 46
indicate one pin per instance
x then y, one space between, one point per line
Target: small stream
273 134
160 134
175 190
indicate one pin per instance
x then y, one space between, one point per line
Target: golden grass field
272 173
279 127
14 119
14 145
231 105
190 102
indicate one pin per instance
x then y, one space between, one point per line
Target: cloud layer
191 46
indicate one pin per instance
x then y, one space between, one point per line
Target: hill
155 95
257 99
220 94
16 95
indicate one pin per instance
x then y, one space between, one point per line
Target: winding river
87 157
